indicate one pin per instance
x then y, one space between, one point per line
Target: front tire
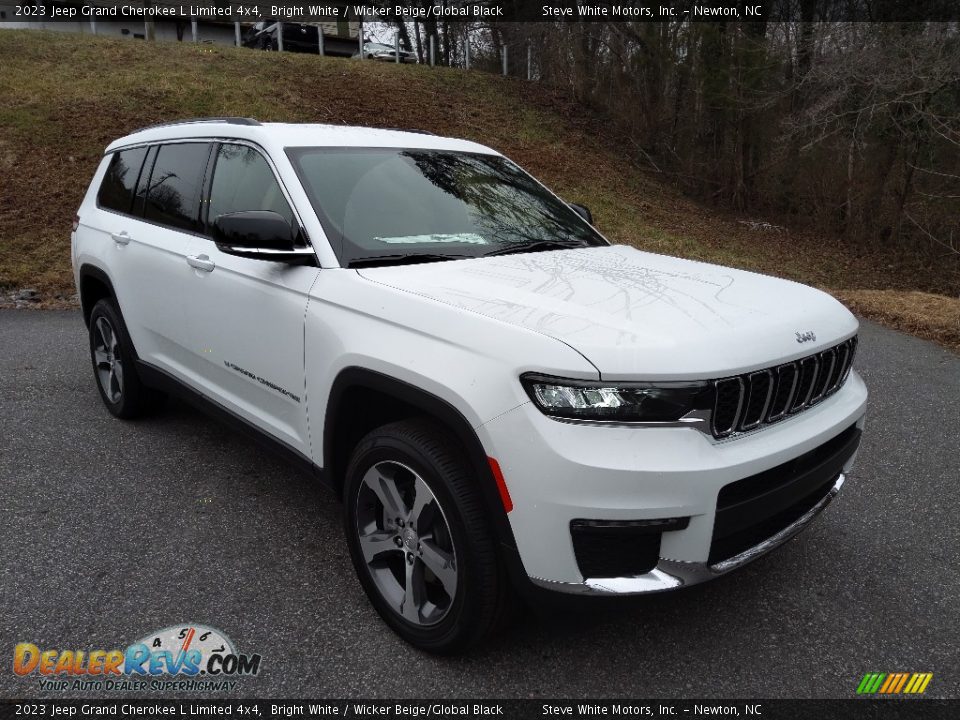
112 356
418 538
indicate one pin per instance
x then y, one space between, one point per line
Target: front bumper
560 472
672 574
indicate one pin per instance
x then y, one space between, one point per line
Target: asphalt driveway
110 529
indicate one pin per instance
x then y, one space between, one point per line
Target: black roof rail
410 130
188 121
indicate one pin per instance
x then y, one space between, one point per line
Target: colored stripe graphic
891 680
873 683
877 682
899 685
918 683
894 683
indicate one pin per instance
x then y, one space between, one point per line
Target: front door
247 315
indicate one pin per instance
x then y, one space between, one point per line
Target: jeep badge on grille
804 337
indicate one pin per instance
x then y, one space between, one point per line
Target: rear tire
419 539
112 357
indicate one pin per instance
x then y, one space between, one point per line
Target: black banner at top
492 10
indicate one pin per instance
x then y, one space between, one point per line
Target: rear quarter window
116 190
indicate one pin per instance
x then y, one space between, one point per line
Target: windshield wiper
537 246
403 259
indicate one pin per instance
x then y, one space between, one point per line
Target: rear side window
173 193
140 196
116 191
242 180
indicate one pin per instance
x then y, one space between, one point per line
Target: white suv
503 400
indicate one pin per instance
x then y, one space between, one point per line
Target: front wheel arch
341 434
419 538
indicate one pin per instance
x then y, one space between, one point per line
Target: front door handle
121 238
201 262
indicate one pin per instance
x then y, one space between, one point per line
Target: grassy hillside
64 97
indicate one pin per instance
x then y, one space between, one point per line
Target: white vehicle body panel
246 327
267 342
149 272
352 322
636 315
558 472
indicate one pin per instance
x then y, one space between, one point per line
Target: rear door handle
121 238
201 262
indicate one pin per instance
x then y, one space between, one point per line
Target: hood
637 315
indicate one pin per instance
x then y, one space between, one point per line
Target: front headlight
615 401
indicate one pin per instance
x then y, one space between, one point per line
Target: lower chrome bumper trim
671 574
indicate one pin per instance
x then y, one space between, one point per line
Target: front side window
116 191
173 193
242 180
392 202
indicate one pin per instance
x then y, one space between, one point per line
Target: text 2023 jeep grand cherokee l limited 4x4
501 397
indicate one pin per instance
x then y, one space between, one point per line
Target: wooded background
849 128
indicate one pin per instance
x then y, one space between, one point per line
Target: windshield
427 205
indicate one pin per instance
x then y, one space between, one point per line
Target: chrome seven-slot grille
745 402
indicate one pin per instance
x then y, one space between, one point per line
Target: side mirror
258 234
583 211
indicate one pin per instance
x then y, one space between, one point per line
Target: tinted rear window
116 191
173 194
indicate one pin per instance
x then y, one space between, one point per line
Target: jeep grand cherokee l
502 399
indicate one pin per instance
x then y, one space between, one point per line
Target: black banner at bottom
443 709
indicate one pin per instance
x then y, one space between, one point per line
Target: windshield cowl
402 259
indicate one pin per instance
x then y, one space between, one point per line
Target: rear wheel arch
95 285
122 390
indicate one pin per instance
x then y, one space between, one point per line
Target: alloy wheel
107 360
406 543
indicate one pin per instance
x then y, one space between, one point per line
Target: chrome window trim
215 140
296 252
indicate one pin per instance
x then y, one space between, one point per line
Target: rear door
151 234
247 315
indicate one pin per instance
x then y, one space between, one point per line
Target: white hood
634 314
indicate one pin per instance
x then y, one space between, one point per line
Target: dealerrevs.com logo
188 657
